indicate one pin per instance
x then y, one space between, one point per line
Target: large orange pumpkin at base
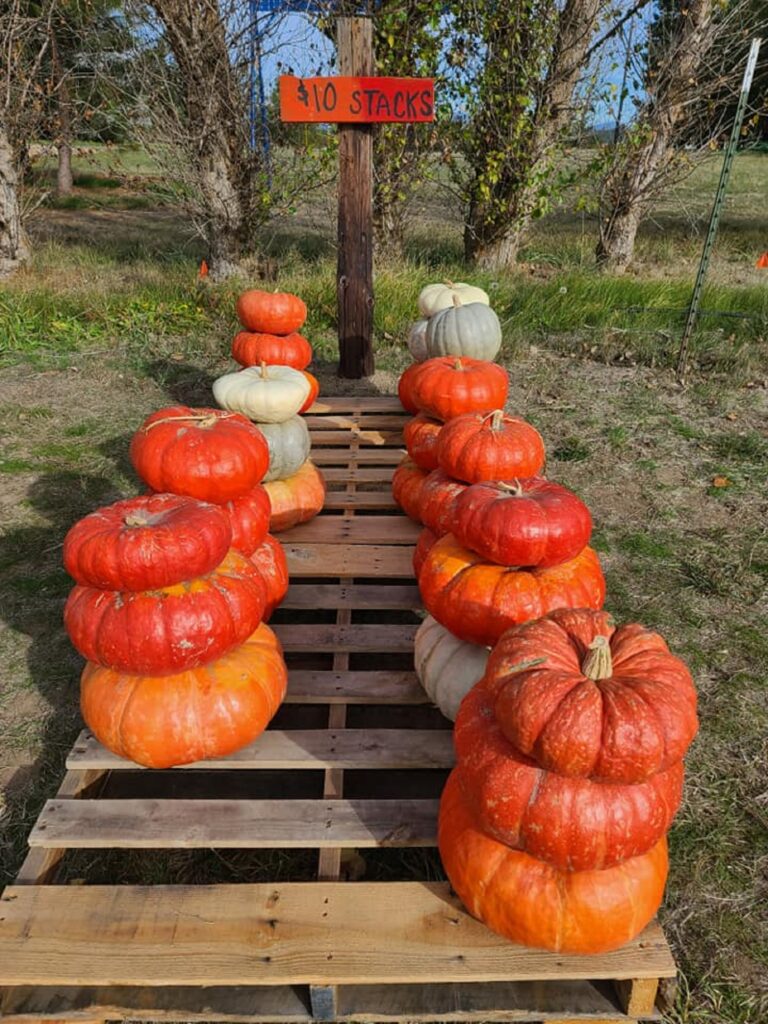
477 600
296 499
211 711
535 904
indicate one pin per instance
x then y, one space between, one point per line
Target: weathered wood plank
335 561
354 530
364 457
351 595
234 824
356 403
377 438
332 687
362 500
360 474
276 934
309 749
372 422
360 638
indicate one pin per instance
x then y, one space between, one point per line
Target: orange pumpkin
314 391
296 499
424 545
405 387
270 312
251 349
449 386
437 501
211 711
407 481
528 901
490 446
269 559
477 601
420 435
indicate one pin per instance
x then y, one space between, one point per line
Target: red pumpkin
528 901
529 522
270 312
269 559
490 446
249 518
170 629
204 453
573 824
450 386
211 711
420 435
437 501
314 391
600 702
251 349
423 546
296 499
151 541
477 601
405 387
407 481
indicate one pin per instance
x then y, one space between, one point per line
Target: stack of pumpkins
569 732
173 588
273 389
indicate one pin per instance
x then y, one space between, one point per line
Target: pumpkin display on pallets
168 614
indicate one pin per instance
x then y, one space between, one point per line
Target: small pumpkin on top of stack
273 390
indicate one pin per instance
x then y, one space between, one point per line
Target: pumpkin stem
458 365
206 420
456 301
135 519
497 419
514 490
598 664
264 371
448 284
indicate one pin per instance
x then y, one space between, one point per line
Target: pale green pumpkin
447 667
289 446
473 331
417 340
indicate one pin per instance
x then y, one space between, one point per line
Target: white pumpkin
266 394
289 446
435 297
471 330
447 667
417 340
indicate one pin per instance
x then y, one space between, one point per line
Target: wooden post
355 266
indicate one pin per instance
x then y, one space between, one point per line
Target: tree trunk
616 242
216 130
14 247
64 105
494 250
388 230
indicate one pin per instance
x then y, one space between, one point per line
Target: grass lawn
110 323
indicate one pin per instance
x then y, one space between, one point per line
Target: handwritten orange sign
345 99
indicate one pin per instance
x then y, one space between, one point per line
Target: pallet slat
309 687
357 404
350 595
358 530
276 934
306 749
324 638
389 457
363 500
235 824
378 560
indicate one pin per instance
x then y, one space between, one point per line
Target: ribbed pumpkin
211 711
269 559
296 499
464 330
420 435
452 385
423 547
528 901
437 501
251 349
434 297
314 391
266 394
477 600
490 446
271 312
447 667
405 387
289 446
172 629
152 541
407 481
249 518
574 824
597 701
417 340
526 523
203 453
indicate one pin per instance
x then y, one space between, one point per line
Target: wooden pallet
355 760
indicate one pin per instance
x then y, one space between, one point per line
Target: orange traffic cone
762 263
203 272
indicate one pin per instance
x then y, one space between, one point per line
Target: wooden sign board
352 100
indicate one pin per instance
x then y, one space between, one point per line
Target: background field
110 322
